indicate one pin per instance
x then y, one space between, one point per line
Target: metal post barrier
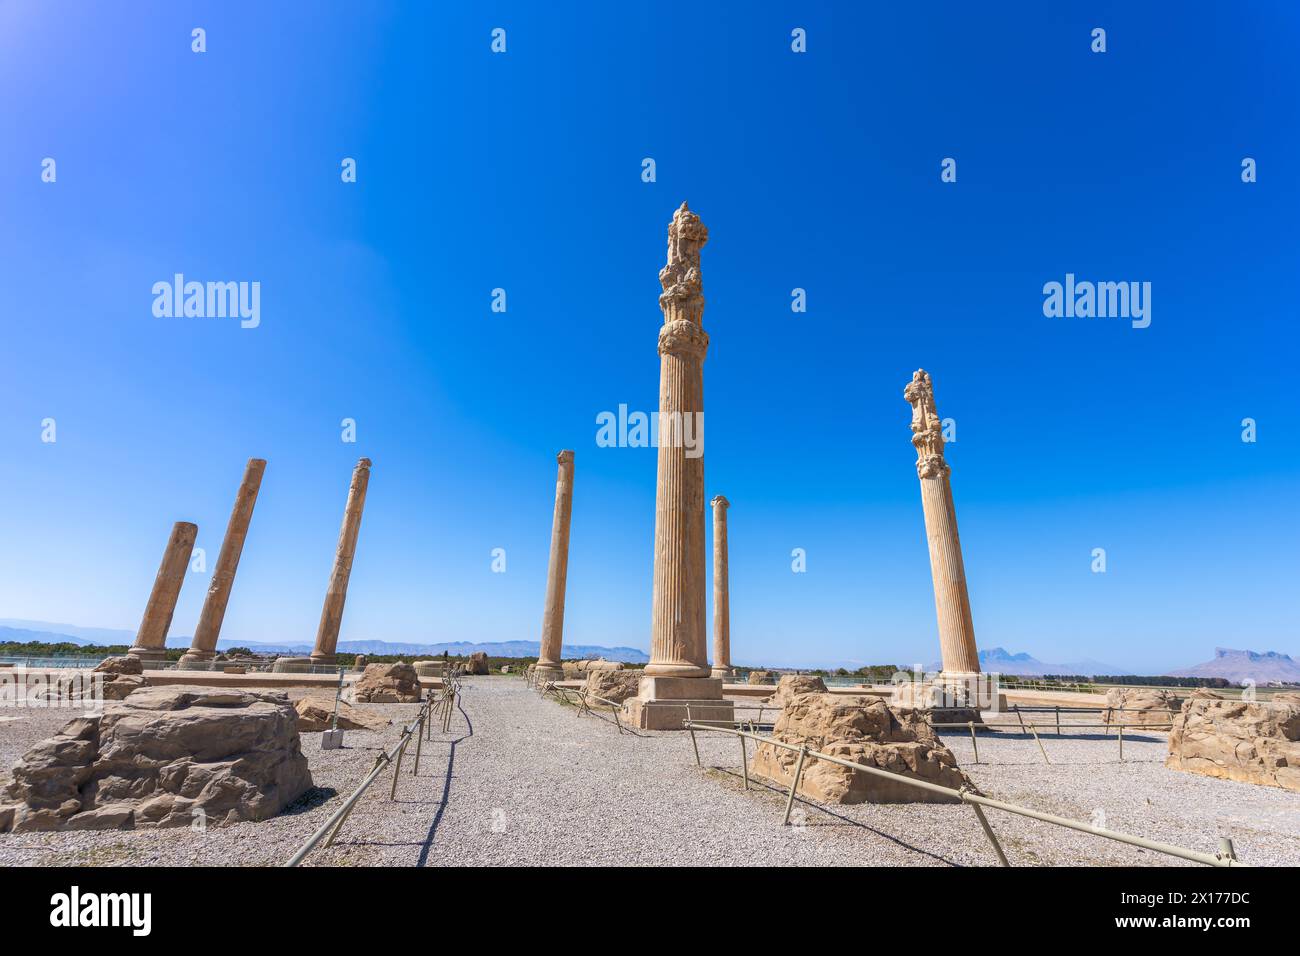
694 743
1016 708
744 762
988 832
1058 720
1217 859
973 742
1121 743
794 784
1040 743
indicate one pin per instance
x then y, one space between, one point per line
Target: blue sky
522 171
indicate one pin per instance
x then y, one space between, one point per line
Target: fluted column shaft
151 639
331 615
721 600
557 571
951 598
678 630
204 645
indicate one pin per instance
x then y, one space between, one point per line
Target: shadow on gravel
446 786
784 792
310 800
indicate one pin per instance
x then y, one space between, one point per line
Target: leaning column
151 639
951 600
721 602
548 663
331 615
204 645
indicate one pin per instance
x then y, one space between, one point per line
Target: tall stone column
548 663
677 631
204 645
721 601
678 681
951 600
331 615
151 639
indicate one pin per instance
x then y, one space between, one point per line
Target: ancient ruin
958 681
387 684
1250 741
151 639
1147 706
204 645
548 661
862 730
331 615
678 673
164 757
615 686
721 598
316 714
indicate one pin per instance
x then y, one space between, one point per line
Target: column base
548 671
292 665
195 656
149 653
722 673
662 703
324 660
677 670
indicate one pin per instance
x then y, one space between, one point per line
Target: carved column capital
683 295
684 338
927 428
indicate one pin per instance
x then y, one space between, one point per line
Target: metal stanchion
1034 730
794 784
973 742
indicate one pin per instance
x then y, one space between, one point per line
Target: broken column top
927 428
720 500
683 295
566 455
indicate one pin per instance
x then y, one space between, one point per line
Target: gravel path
523 781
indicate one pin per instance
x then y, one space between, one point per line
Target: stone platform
663 703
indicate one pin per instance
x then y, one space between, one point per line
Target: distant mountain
65 633
22 631
998 660
1268 667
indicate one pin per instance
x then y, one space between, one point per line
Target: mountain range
1263 668
23 631
998 660
1268 667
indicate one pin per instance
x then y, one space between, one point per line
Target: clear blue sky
523 171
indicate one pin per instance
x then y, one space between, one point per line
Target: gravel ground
522 781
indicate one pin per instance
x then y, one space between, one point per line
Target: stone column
204 645
151 639
548 663
951 600
678 629
721 602
331 615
